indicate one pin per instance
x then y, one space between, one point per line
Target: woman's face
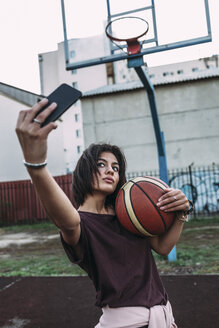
108 173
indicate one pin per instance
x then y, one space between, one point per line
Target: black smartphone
64 96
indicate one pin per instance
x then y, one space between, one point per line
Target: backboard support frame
145 51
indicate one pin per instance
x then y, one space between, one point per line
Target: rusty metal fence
19 201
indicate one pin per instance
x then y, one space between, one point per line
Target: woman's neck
96 204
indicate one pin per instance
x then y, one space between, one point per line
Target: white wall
11 166
48 68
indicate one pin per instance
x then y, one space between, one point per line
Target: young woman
120 264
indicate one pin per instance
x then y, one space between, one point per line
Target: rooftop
26 97
121 87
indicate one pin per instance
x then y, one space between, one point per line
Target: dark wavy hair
86 169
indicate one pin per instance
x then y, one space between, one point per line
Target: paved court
56 302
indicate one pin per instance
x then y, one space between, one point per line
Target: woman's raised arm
33 141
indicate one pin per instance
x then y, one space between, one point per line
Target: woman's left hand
173 200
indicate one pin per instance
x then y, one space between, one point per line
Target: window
68 171
167 73
74 71
110 70
78 133
72 54
180 71
75 85
76 117
79 148
151 76
195 69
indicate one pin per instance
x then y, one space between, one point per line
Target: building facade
188 109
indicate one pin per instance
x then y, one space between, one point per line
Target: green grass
51 265
34 227
197 252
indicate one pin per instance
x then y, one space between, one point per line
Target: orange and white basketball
136 207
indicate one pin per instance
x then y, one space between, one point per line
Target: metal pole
191 185
110 27
65 33
146 51
207 14
172 256
158 134
136 63
154 22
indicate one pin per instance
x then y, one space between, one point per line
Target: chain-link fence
199 184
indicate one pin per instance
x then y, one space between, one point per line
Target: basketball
136 207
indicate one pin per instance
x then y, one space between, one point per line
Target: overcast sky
30 27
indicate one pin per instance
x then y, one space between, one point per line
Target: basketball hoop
128 29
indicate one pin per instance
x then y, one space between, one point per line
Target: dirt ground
18 243
46 243
21 239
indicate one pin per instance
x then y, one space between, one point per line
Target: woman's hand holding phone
33 137
34 125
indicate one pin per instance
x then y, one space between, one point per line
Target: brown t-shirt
119 263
